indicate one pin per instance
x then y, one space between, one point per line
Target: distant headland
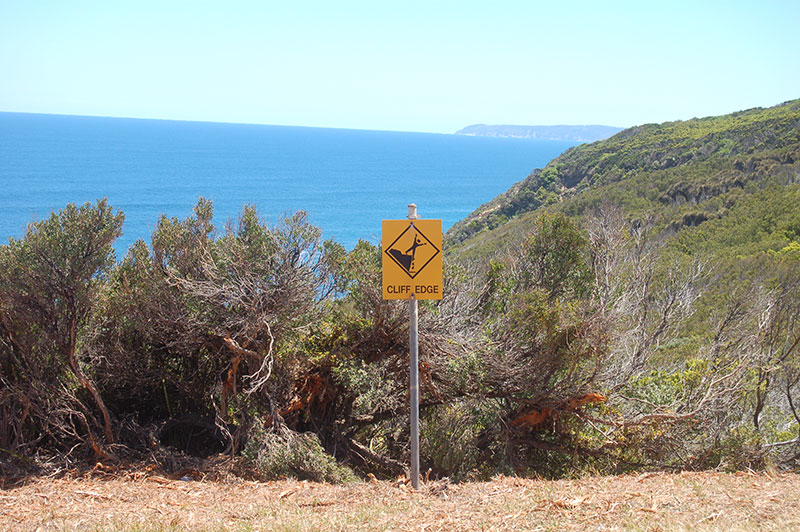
571 133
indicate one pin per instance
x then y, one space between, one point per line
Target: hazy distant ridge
573 133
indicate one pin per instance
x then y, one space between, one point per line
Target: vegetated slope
723 172
660 332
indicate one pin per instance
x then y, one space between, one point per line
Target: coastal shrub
281 453
462 440
448 439
49 281
664 332
210 325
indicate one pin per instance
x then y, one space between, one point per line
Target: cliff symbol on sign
412 250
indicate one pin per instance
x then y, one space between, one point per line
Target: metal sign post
413 347
411 258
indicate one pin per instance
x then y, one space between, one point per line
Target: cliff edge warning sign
412 259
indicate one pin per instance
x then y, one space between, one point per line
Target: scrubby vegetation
682 173
607 335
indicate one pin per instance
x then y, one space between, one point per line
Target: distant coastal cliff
572 133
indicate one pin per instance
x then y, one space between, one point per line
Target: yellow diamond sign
411 253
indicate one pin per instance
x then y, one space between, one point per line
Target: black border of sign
428 240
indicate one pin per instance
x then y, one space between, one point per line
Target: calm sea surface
347 180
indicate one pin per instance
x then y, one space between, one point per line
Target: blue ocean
346 180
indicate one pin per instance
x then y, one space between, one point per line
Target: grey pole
413 346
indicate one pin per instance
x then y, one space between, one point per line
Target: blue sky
412 66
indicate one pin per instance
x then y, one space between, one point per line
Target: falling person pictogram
406 260
412 262
413 249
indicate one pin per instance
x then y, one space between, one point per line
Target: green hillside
709 176
678 244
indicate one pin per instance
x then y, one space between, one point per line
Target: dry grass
665 502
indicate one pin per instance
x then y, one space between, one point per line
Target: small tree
778 361
554 258
205 325
48 282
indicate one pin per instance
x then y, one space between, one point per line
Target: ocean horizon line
347 180
223 122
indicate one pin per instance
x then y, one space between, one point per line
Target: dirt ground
653 501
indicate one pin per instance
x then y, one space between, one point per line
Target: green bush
459 440
49 284
282 453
